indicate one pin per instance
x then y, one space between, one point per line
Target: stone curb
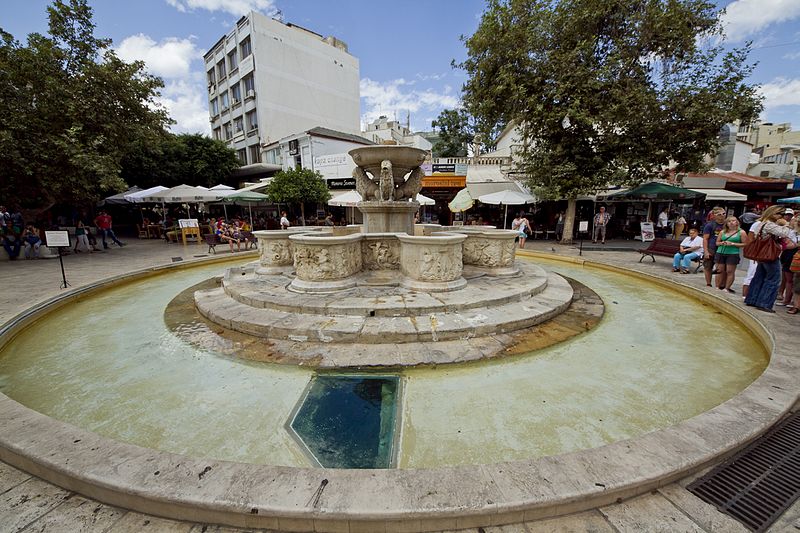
298 499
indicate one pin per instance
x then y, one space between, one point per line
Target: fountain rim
491 494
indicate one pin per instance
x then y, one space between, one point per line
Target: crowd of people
720 246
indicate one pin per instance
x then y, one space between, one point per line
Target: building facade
382 129
267 79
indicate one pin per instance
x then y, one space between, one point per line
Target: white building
382 129
267 80
320 149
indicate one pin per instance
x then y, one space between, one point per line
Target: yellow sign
458 182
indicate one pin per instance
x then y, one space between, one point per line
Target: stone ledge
418 500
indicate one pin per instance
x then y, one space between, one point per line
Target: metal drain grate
760 482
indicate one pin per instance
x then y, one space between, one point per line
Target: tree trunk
569 221
302 214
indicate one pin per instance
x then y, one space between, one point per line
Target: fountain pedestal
388 216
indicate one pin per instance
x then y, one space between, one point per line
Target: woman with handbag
765 248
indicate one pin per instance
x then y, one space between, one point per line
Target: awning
722 195
479 189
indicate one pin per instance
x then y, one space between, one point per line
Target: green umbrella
247 197
656 191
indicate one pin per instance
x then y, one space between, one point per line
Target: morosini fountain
383 377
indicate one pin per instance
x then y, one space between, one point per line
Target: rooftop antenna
408 119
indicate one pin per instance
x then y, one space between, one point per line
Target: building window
245 47
211 78
214 107
252 120
228 130
255 154
221 69
224 100
218 134
249 86
242 155
236 93
233 62
273 156
238 125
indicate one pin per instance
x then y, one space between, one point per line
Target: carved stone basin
403 158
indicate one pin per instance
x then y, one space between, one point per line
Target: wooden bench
667 248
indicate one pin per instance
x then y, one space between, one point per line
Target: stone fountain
386 283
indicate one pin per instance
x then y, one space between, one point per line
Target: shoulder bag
763 250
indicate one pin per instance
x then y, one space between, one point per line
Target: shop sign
336 184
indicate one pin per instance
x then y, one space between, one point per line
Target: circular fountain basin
609 414
404 159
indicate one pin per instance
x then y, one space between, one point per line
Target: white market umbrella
139 196
221 187
185 194
348 199
507 198
424 200
461 202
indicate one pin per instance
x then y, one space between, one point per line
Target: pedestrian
680 223
710 232
81 239
600 223
104 227
662 225
560 226
284 221
729 241
764 287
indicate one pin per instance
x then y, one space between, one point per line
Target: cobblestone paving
28 504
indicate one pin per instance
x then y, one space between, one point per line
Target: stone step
271 323
389 300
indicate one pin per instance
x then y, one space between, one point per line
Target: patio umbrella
120 198
248 197
185 194
348 199
221 187
424 200
507 198
461 202
795 200
140 196
655 191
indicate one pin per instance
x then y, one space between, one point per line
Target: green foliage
605 92
169 160
69 110
298 185
455 133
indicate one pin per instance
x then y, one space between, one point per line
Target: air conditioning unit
251 93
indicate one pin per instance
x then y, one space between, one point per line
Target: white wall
302 81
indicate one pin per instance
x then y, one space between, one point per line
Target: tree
455 133
298 185
169 160
605 92
69 110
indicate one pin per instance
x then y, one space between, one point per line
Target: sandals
793 310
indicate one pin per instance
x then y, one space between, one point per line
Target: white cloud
184 94
743 18
234 7
394 97
792 56
187 105
781 92
171 58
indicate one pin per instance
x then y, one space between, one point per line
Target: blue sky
405 47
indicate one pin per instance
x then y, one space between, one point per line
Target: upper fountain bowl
404 158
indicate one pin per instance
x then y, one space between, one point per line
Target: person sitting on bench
691 247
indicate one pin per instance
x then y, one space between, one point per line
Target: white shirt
285 222
688 242
663 220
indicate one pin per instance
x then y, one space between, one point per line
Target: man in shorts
710 232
